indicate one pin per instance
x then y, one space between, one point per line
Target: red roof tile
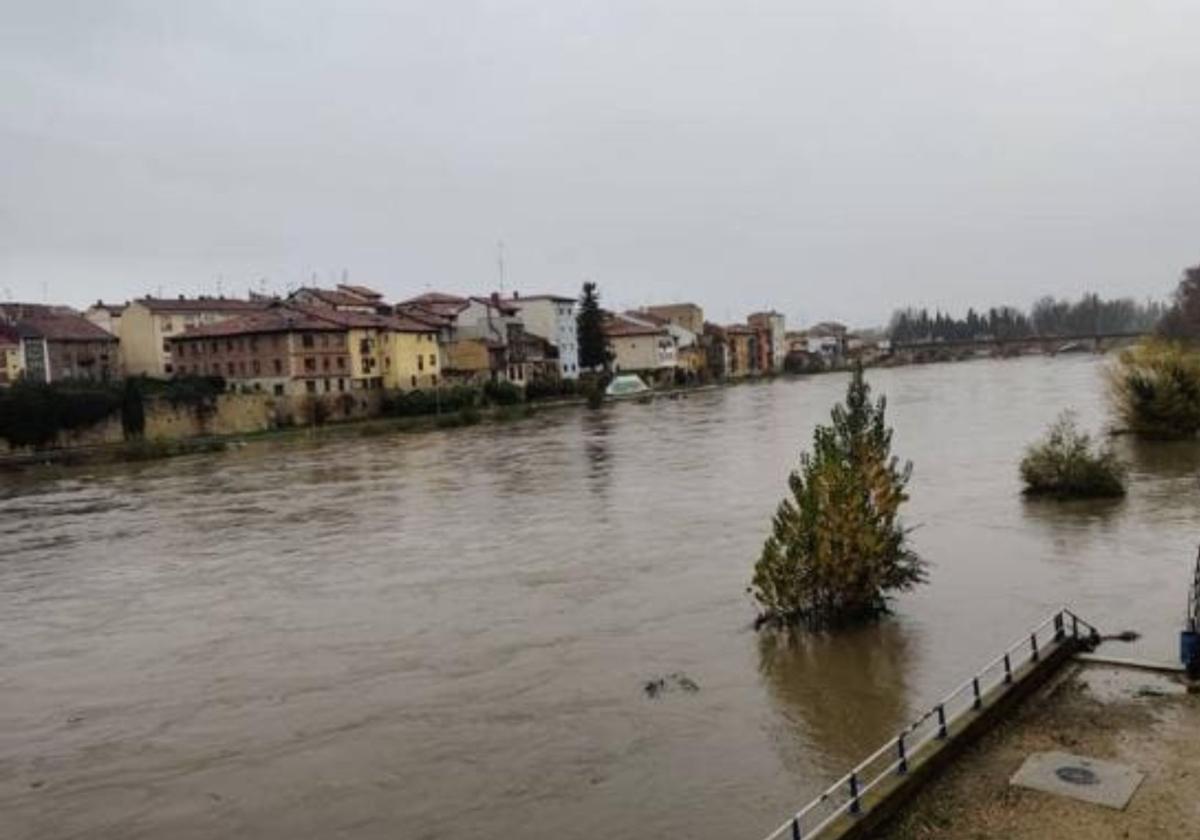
202 304
54 323
276 319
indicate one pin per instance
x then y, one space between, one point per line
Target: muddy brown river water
447 634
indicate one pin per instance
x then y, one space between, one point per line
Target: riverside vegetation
837 547
1155 387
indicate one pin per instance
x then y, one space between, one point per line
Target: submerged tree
1066 464
837 547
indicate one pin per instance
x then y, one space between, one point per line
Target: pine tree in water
837 547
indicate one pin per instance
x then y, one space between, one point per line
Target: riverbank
157 448
1144 720
154 447
145 450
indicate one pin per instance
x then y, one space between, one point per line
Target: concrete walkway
1134 717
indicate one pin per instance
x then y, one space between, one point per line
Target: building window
328 386
341 384
166 346
167 368
275 341
256 367
241 368
432 360
279 390
420 363
325 341
253 343
341 362
229 344
278 367
229 367
414 382
307 341
434 380
310 364
212 347
310 385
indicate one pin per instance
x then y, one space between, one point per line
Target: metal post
1059 632
855 805
1007 670
978 699
1074 625
1033 644
903 768
795 828
941 710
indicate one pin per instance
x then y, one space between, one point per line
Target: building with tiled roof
476 334
54 343
637 346
292 349
344 298
147 323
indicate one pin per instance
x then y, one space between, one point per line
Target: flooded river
447 634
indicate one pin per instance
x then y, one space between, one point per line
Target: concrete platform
1088 779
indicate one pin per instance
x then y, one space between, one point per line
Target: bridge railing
847 796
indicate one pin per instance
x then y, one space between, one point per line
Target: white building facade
552 317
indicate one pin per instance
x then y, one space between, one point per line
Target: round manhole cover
1077 775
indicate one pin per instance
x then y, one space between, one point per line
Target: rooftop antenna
220 285
500 263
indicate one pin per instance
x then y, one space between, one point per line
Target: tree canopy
593 351
1182 320
1049 316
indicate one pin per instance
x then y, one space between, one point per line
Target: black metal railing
845 797
1193 606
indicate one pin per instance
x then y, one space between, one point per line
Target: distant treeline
1090 315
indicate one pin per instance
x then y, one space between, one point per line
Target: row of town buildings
328 341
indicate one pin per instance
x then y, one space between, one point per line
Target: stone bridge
1047 345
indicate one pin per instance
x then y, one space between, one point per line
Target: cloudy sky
832 158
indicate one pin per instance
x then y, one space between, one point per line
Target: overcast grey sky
831 158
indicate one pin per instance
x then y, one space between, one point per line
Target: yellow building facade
411 358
